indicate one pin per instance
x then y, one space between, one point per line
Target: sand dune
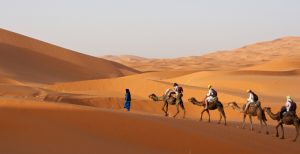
275 78
124 58
140 87
279 64
80 108
230 87
55 128
246 56
5 80
270 86
30 60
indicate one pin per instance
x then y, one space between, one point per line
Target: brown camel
290 118
211 106
170 101
253 110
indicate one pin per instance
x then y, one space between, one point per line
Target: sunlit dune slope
274 79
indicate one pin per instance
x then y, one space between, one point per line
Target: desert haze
55 100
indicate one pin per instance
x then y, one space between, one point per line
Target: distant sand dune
273 73
243 57
279 64
5 80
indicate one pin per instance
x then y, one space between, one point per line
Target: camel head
267 108
192 100
235 106
232 104
153 97
195 102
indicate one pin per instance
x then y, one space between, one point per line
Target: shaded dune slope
30 60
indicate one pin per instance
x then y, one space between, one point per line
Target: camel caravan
287 115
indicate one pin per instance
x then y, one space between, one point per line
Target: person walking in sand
127 100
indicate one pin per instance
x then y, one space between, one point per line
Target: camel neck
198 103
272 115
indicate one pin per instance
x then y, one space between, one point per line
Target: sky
151 28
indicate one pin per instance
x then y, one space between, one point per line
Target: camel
170 101
290 118
211 106
253 110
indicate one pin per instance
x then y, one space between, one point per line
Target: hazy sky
151 28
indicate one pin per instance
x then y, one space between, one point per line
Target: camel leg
220 118
208 115
202 115
261 125
277 134
177 107
244 121
267 131
182 107
167 108
251 128
281 125
163 108
297 129
219 109
223 113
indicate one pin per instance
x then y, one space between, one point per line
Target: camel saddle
215 103
252 107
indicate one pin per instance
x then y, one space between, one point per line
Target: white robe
251 98
209 97
288 104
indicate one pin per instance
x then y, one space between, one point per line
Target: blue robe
127 101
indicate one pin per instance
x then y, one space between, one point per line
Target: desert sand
249 55
55 100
